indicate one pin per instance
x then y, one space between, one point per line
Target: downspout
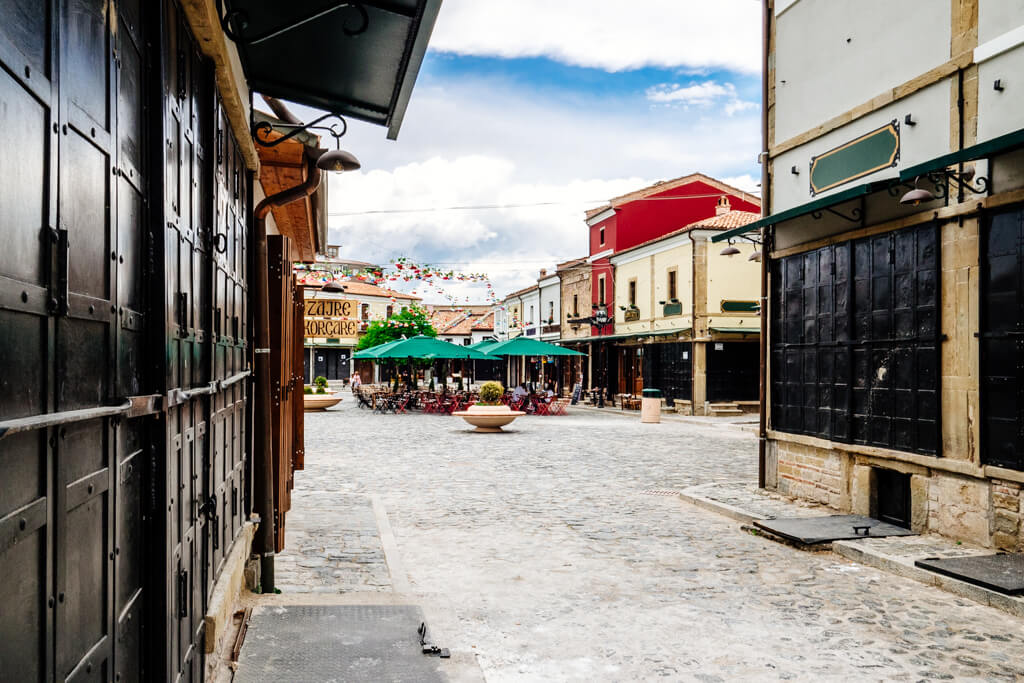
762 428
263 437
693 326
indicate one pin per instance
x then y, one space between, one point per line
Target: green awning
527 346
483 345
804 209
735 330
372 352
628 335
1003 143
355 59
430 348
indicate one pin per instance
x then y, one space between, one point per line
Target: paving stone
553 564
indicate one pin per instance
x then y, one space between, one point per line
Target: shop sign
319 327
857 158
331 308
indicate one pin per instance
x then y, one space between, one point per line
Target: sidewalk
745 422
746 503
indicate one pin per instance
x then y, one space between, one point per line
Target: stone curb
685 419
856 551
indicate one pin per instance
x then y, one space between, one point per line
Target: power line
491 207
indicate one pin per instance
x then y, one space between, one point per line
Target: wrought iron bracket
234 22
295 129
942 178
854 217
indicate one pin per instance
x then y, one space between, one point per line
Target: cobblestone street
558 551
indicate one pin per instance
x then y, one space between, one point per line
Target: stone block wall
809 472
1006 515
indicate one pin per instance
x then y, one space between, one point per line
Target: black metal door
1002 340
669 367
732 371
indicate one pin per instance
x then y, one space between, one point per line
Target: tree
408 323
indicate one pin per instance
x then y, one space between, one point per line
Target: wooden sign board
334 329
331 308
331 318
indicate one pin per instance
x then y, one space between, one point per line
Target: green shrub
320 381
321 390
491 393
307 390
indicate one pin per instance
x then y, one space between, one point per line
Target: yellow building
686 318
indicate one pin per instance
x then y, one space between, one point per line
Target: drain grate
659 492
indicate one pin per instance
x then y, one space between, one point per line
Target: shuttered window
855 341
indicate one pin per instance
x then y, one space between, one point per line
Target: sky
558 106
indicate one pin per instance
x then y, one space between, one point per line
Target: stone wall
809 472
1006 514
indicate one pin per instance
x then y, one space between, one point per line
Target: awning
735 330
357 59
1003 143
614 337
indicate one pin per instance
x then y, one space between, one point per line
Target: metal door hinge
182 593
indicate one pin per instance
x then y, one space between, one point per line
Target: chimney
722 206
543 272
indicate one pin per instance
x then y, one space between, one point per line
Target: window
600 290
601 235
466 341
576 305
855 341
551 312
632 293
672 285
529 320
364 312
390 310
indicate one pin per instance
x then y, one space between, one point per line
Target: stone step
726 411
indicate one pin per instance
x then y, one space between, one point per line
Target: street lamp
600 319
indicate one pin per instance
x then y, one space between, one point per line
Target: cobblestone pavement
557 555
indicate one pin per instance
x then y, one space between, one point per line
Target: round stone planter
488 418
319 401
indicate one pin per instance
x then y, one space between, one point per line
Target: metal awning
354 58
1003 143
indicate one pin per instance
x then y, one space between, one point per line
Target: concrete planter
488 418
319 401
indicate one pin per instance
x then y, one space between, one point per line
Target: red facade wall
645 219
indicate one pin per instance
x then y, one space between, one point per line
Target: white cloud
745 182
613 36
700 94
509 244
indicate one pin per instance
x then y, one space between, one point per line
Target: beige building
686 317
894 188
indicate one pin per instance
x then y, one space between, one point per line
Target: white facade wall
550 304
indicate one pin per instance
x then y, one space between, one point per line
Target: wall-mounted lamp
916 196
332 286
729 251
334 160
755 256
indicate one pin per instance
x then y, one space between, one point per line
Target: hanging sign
331 308
317 327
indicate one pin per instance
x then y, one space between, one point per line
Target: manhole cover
350 643
810 530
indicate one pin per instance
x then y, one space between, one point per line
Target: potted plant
488 414
318 396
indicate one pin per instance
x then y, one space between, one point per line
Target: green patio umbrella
483 345
524 346
422 346
372 352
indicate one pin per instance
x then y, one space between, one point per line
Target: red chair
540 407
557 407
401 403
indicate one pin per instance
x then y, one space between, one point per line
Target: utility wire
491 207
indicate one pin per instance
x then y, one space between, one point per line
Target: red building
647 214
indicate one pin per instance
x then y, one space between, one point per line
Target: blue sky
585 105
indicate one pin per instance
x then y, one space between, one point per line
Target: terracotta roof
442 318
461 326
725 221
571 263
522 291
485 322
366 289
665 185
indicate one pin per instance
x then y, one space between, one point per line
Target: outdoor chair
558 406
400 403
541 407
364 402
